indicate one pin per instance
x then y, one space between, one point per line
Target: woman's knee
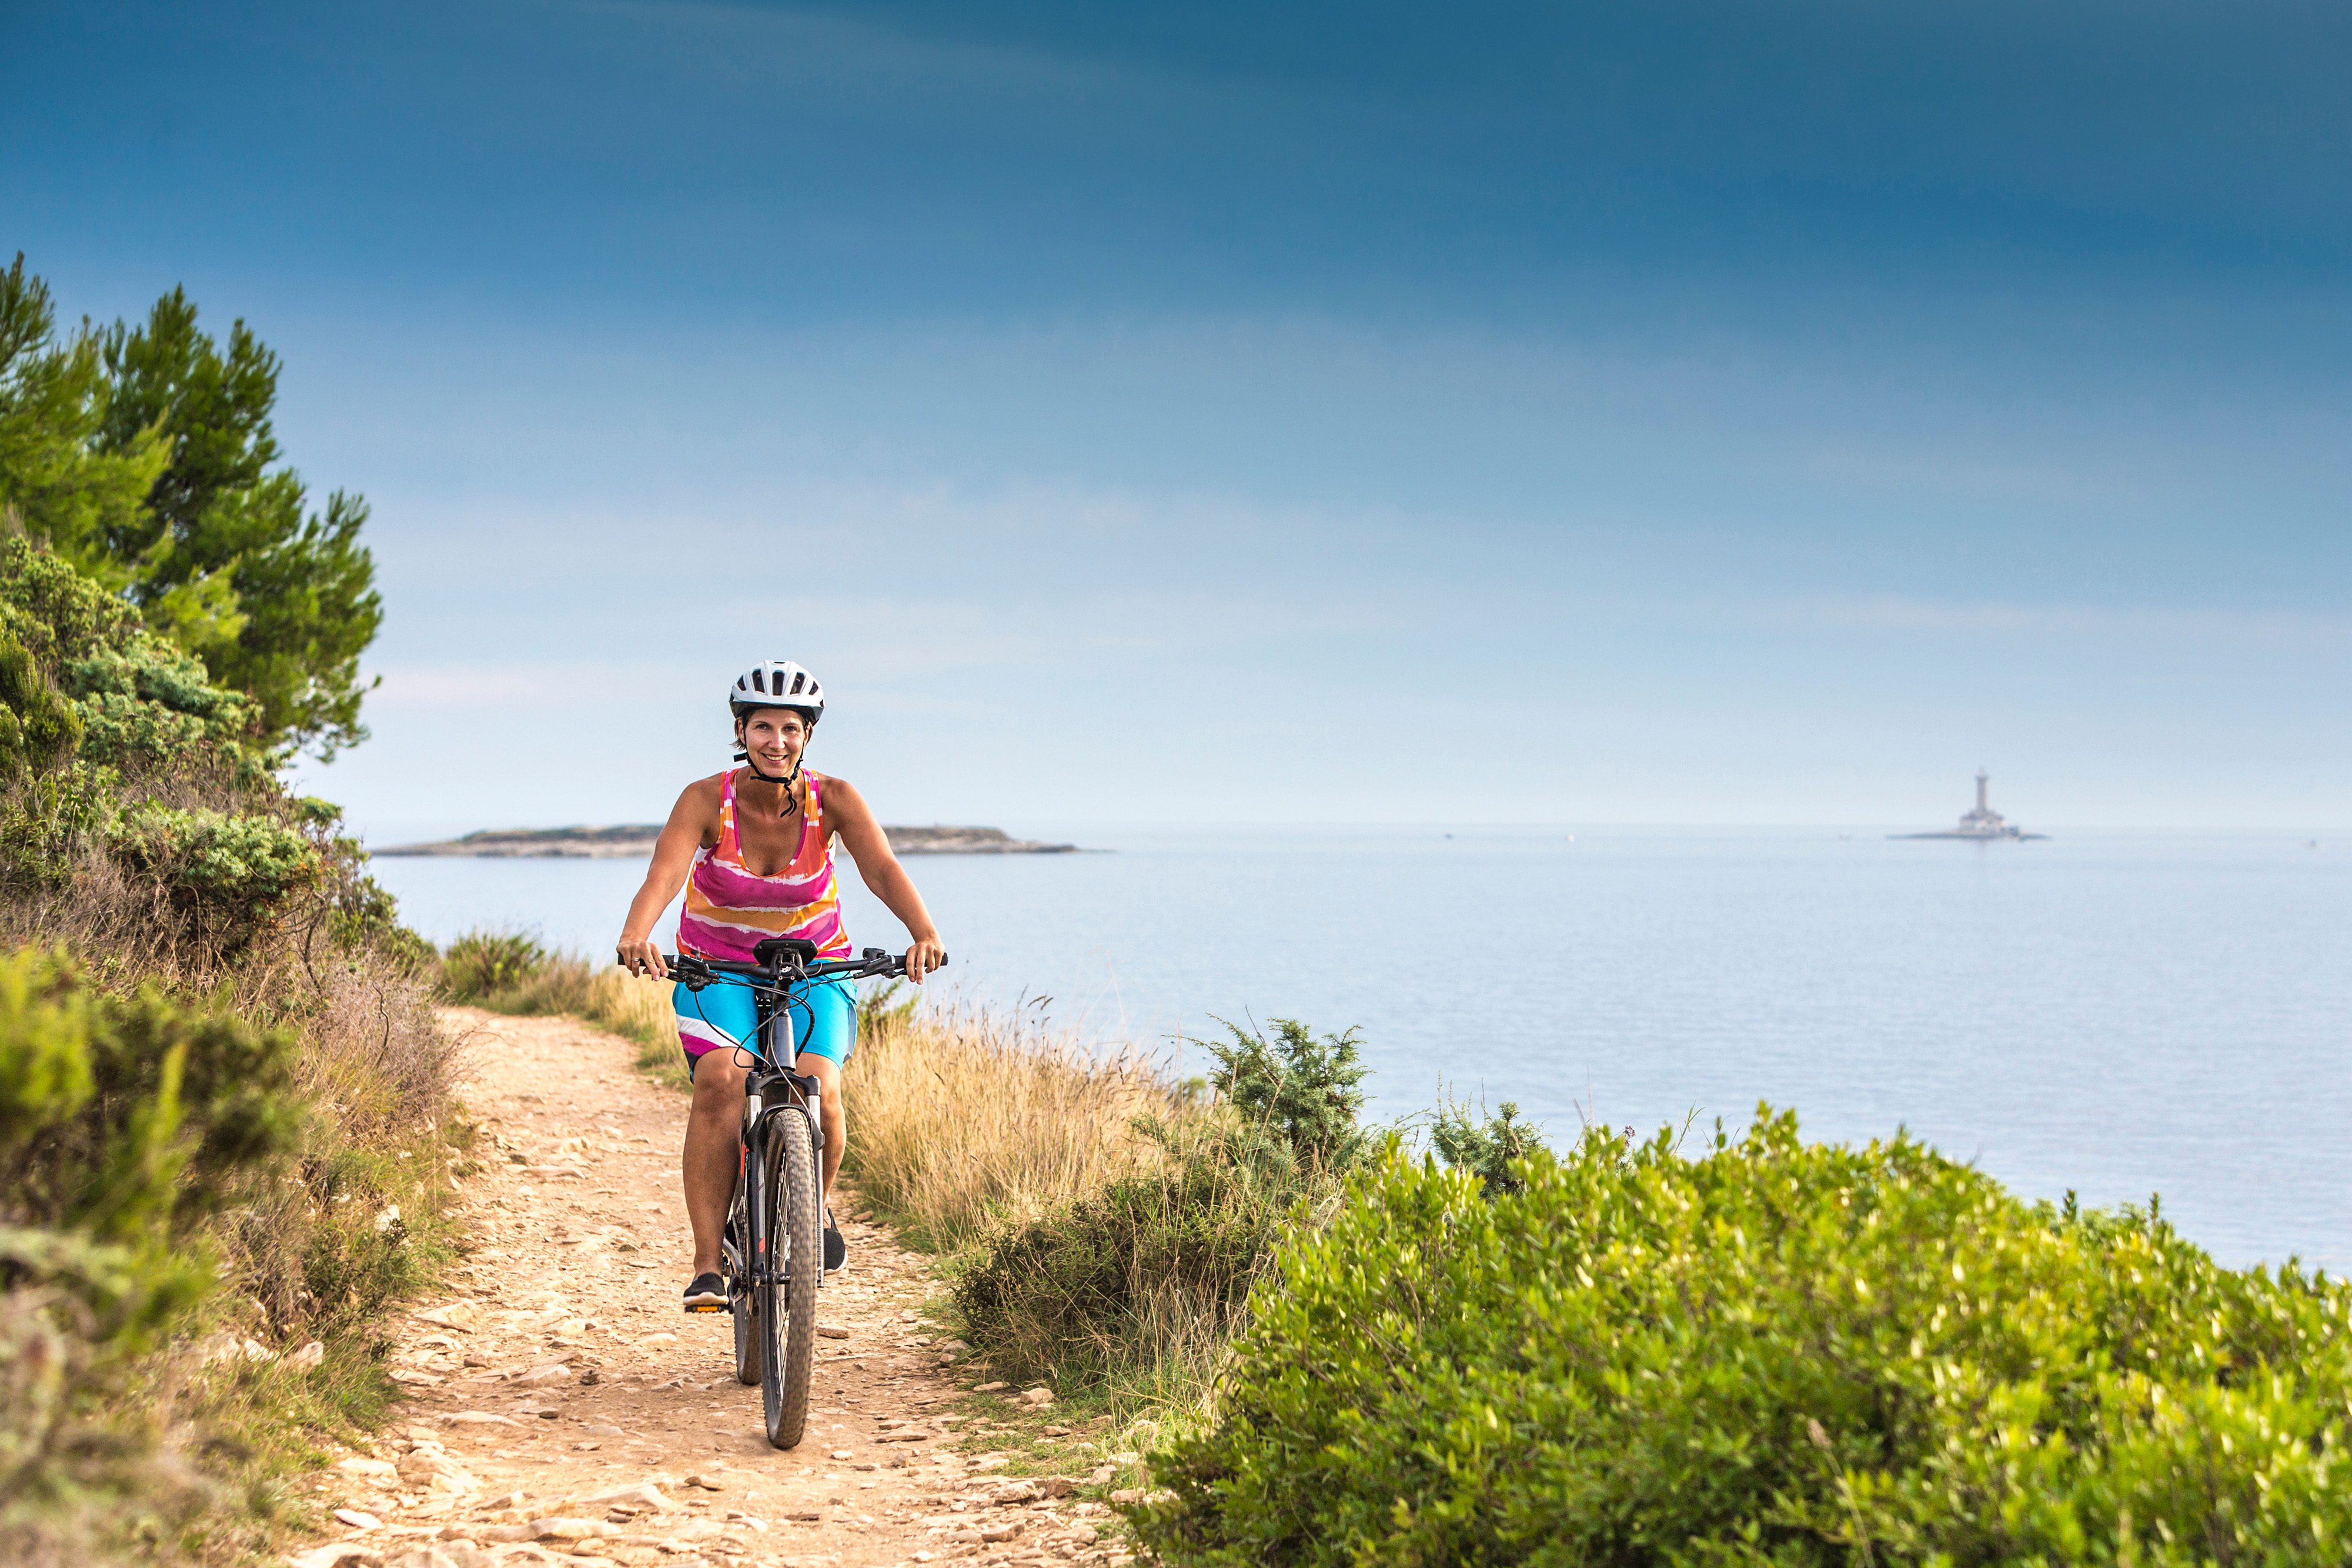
718 1084
827 1074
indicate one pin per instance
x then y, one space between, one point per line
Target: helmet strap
789 782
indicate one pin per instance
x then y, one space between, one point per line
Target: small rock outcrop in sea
635 841
1983 823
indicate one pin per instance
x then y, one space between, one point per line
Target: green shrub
153 1089
1101 1284
1774 1354
124 1122
60 613
226 873
38 728
145 701
130 1119
485 965
1485 1148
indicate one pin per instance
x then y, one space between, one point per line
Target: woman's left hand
924 957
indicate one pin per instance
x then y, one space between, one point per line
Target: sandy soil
564 1410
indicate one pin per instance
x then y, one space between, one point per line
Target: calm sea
2117 1013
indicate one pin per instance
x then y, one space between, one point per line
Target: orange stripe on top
728 907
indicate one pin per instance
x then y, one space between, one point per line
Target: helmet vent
798 679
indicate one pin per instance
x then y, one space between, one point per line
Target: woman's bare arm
879 869
689 822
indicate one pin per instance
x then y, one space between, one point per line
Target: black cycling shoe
836 1251
707 1294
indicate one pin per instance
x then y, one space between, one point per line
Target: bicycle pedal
707 1307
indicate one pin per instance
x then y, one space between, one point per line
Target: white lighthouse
1984 822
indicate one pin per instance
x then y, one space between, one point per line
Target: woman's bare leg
827 1074
714 1139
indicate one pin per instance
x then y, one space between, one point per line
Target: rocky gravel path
561 1410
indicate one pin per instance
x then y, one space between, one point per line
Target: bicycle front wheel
787 1311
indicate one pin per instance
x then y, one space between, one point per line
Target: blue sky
1690 412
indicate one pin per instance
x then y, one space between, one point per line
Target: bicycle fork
761 1264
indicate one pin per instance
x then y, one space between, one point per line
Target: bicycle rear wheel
787 1308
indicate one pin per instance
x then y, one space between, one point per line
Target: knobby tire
787 1312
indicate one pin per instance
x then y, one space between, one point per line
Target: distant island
635 841
1984 824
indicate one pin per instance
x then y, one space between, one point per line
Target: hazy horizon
1057 829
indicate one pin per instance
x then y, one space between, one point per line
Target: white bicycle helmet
777 682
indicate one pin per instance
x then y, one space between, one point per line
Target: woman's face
772 737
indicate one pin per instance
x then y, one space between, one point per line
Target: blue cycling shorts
824 1020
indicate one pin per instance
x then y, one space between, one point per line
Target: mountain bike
773 1253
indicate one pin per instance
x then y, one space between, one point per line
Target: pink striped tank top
729 908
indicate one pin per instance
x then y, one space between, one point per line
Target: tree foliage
116 744
145 456
59 479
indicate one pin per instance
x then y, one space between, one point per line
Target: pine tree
279 601
145 456
56 482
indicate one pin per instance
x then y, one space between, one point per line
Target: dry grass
963 1121
639 1010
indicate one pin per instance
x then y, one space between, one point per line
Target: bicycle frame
772 1306
774 1087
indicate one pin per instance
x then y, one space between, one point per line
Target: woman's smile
773 739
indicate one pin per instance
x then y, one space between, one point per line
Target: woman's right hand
641 956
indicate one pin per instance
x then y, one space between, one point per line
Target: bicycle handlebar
874 963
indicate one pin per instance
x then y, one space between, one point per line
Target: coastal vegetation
1769 1352
225 1124
962 1120
1341 1347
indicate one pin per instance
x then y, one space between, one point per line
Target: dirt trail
564 1410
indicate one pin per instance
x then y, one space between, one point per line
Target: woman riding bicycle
754 849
